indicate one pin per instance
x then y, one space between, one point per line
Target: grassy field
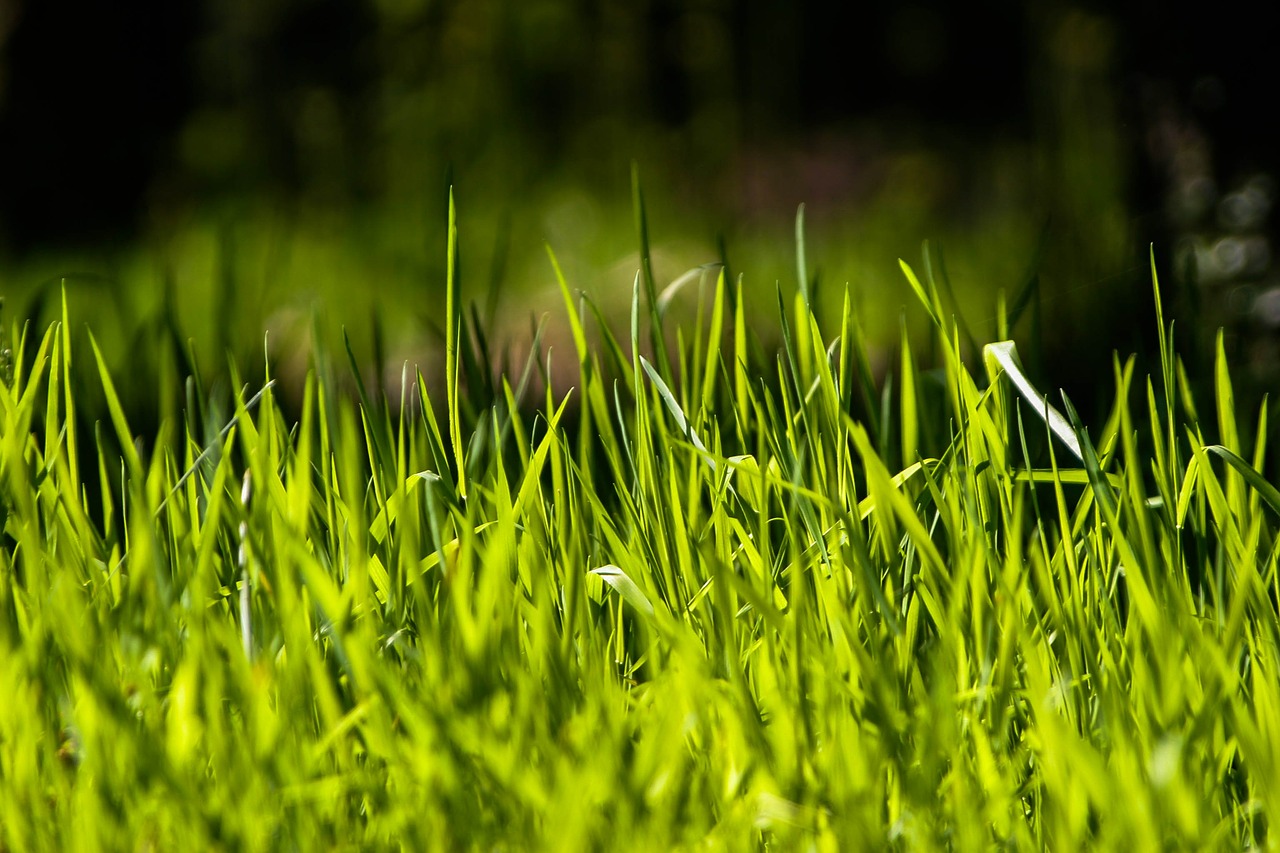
713 597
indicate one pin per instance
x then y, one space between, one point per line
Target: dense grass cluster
694 603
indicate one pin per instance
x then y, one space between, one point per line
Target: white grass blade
625 587
673 406
673 289
1003 356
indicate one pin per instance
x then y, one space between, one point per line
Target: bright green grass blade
72 448
1136 573
890 502
741 381
866 381
1265 490
1102 489
123 434
1186 396
52 422
714 364
929 301
1161 463
1224 397
532 474
844 368
613 350
1260 444
30 386
453 335
673 406
626 588
575 322
908 400
1219 506
1072 476
656 338
434 439
1132 487
867 505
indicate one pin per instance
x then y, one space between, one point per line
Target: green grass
693 603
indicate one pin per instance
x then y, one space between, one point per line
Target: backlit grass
704 599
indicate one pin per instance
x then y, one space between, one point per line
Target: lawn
712 596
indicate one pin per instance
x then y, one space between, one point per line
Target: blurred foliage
311 164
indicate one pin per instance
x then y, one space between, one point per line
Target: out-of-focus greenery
311 172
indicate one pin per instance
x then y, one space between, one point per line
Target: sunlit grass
693 602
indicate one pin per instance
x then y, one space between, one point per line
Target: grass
692 603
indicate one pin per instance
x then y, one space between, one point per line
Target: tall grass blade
453 336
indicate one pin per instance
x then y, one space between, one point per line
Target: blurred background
195 173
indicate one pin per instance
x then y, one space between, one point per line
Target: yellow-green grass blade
123 434
910 411
453 336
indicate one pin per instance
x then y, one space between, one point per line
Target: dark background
1100 128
